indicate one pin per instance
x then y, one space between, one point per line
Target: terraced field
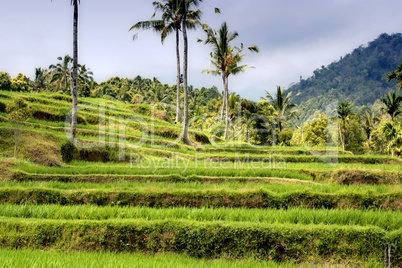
136 194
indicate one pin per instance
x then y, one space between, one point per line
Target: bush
99 154
200 137
285 136
68 152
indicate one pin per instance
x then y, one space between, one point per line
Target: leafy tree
261 125
283 105
343 111
18 111
248 109
355 135
314 132
397 75
20 83
285 136
5 81
225 59
392 104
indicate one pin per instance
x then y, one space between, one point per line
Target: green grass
161 166
51 259
384 219
197 186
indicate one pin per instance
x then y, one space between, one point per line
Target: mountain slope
359 76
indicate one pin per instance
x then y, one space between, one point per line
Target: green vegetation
203 240
123 178
386 220
30 258
360 76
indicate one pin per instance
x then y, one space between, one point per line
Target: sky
295 37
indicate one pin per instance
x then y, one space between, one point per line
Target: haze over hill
359 76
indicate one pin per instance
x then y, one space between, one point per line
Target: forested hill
359 76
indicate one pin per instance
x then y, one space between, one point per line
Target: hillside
135 188
359 76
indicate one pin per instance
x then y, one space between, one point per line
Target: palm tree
171 22
392 104
283 105
225 59
393 134
158 94
62 73
74 113
344 111
397 75
85 79
187 14
369 120
40 77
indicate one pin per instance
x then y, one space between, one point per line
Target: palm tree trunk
223 106
178 77
223 99
74 115
184 135
226 88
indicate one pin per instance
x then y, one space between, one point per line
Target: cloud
295 37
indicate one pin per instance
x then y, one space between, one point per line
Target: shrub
98 154
285 137
200 137
68 152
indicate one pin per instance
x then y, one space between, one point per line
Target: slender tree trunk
74 115
178 77
226 87
184 137
223 106
223 100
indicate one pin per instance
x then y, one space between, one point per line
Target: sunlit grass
198 186
387 220
30 258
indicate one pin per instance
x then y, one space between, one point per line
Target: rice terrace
172 171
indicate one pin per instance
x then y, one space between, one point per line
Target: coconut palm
392 104
158 94
343 111
74 112
61 73
40 79
369 120
74 93
187 14
283 105
171 22
225 59
394 135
